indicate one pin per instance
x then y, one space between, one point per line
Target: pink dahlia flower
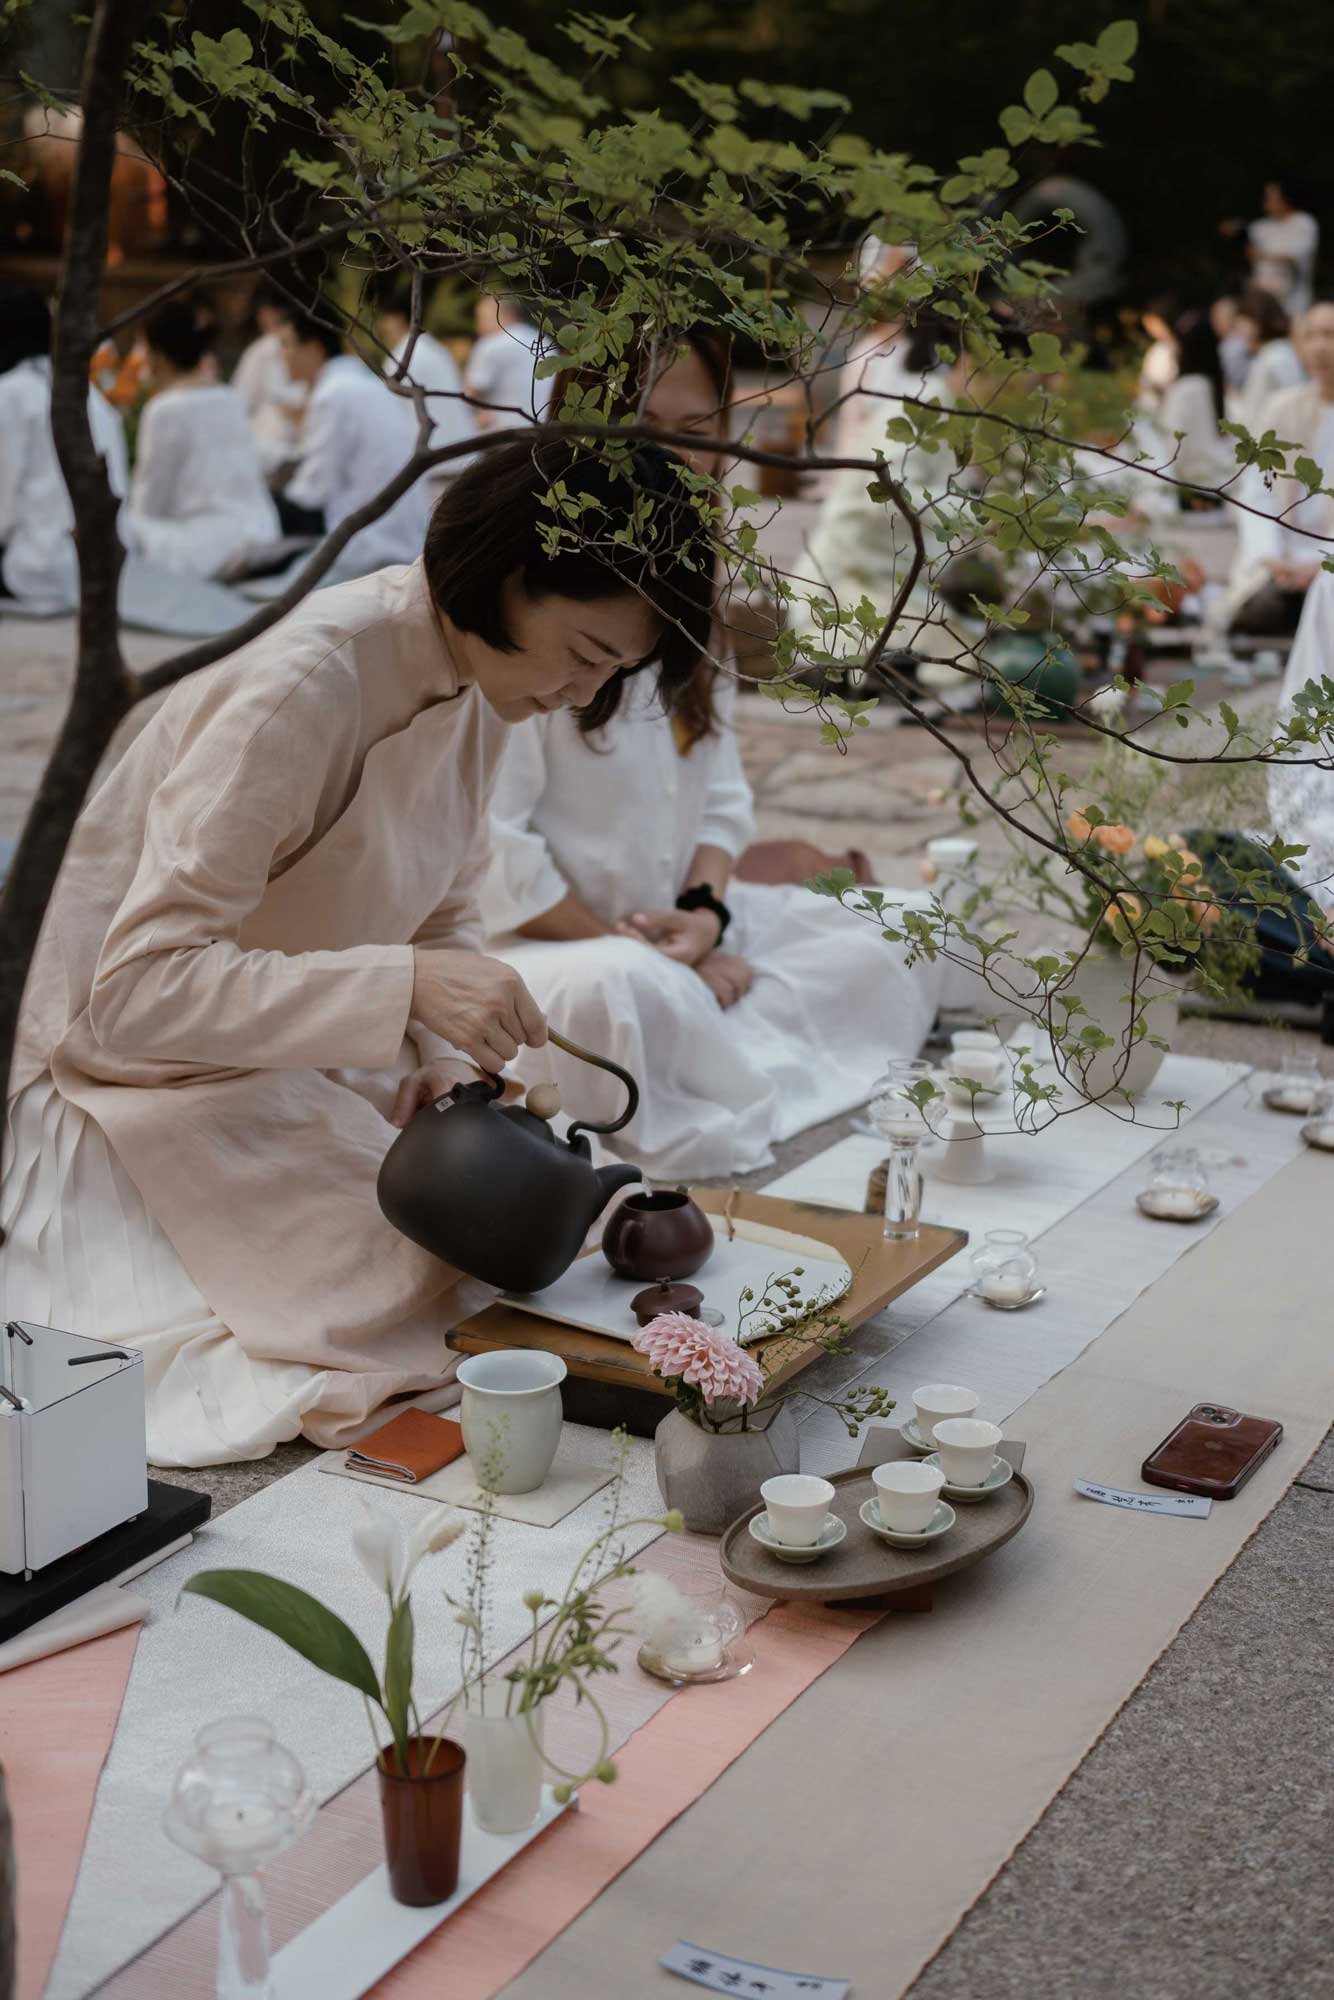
710 1361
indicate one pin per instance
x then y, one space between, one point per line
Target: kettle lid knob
543 1100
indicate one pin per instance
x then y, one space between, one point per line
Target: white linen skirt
831 1005
84 1253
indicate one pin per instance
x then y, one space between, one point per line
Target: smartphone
1213 1451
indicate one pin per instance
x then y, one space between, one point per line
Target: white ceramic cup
512 1415
797 1503
906 1494
967 1447
982 1041
938 1400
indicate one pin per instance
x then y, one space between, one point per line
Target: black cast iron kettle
491 1189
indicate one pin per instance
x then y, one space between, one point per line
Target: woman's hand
685 935
478 1004
424 1085
727 977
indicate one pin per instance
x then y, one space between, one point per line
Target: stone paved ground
1190 1853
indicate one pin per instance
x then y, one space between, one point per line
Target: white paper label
1190 1504
721 1974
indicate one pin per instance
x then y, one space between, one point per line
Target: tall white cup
511 1416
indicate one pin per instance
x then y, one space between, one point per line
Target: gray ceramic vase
712 1476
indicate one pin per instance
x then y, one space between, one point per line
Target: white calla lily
378 1544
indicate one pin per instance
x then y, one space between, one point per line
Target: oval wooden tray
863 1566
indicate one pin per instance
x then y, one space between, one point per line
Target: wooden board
863 1569
881 1272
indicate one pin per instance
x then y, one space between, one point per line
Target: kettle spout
611 1179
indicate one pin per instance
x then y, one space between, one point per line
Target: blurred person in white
357 434
1275 363
501 372
1234 349
747 1012
1191 406
1301 795
1278 556
432 369
198 498
273 401
1282 245
38 568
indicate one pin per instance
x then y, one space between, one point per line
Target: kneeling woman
263 952
747 1013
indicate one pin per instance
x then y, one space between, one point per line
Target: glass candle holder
238 1800
1004 1267
1297 1087
700 1645
1179 1182
901 1122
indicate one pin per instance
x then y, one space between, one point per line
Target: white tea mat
581 1468
746 1256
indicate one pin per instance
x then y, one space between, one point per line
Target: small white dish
1319 1132
832 1533
941 1521
912 1436
1001 1473
1011 1305
1294 1103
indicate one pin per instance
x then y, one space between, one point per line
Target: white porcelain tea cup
906 1493
938 1400
511 1415
967 1447
797 1503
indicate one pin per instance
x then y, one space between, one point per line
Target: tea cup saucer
913 1437
1001 1473
831 1534
941 1521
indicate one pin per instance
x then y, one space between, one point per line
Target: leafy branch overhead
1011 497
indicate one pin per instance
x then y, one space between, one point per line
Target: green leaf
295 1617
1118 42
1308 472
1017 124
1231 722
398 1670
1045 349
1040 92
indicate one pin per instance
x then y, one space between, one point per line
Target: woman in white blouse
1192 406
1274 362
750 1014
197 497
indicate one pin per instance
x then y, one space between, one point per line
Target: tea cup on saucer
797 1504
907 1493
938 1400
967 1448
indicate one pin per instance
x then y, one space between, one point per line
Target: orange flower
928 871
1154 848
1206 915
1122 917
1114 839
1078 827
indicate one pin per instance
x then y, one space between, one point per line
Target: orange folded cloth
409 1447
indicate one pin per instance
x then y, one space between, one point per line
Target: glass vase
899 1119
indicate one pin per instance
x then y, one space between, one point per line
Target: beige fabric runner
852 1837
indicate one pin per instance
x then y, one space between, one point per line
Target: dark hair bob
494 521
181 333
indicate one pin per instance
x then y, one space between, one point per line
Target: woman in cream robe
615 819
221 1007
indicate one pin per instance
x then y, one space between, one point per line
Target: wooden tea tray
610 1384
867 1570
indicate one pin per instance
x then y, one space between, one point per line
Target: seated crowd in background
198 498
37 563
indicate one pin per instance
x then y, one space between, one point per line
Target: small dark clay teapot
491 1190
656 1236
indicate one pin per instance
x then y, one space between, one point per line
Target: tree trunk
102 692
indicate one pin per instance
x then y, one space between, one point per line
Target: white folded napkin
105 1609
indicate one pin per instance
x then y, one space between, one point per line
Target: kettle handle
614 1069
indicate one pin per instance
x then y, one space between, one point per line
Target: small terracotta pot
423 1820
666 1298
655 1236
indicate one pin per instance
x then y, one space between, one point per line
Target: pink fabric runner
664 1768
57 1719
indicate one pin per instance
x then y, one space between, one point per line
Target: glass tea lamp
239 1799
